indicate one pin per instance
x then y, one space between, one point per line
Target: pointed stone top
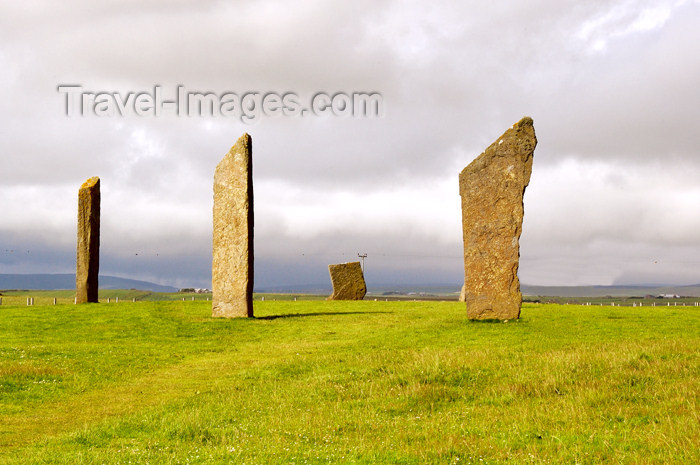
242 142
525 121
92 182
237 161
518 141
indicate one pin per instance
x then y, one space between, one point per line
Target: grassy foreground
347 382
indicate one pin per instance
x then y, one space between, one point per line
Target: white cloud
595 222
623 18
430 209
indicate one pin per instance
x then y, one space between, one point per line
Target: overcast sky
612 87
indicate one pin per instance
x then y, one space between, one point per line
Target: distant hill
528 290
612 291
552 291
67 281
313 289
372 288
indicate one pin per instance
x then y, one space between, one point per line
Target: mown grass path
348 382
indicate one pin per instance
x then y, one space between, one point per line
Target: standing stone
232 266
462 296
88 260
492 189
348 281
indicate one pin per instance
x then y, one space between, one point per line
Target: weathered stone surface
492 189
232 266
462 296
88 256
348 281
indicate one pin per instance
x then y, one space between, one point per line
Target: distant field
347 382
19 297
617 300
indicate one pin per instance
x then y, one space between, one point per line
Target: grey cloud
453 77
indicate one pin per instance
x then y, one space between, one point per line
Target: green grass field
347 382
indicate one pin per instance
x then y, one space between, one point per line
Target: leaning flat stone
88 250
492 189
232 265
348 281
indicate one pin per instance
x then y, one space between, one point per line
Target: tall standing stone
88 259
492 188
348 281
232 266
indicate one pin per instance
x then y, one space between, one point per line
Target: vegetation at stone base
348 382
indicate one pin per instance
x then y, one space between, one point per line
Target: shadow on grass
299 315
494 320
